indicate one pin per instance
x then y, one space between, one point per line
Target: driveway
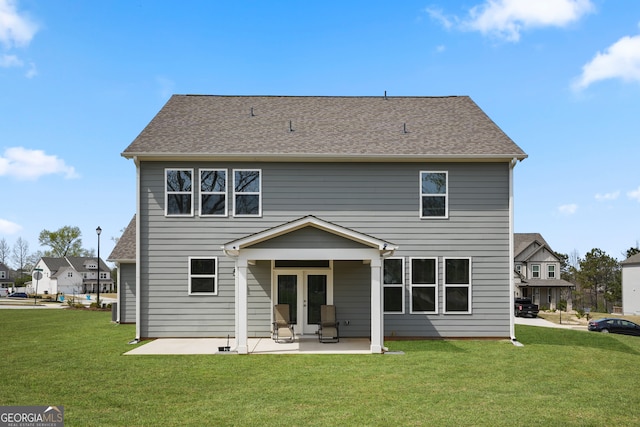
538 321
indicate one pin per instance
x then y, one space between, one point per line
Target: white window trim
446 196
422 285
166 193
445 286
215 276
549 272
225 193
247 193
532 271
394 285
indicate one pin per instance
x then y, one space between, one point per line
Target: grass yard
560 377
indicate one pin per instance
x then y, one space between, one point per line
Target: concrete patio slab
302 345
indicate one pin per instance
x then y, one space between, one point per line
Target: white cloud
16 30
508 18
7 61
621 60
634 194
568 209
25 164
8 227
607 196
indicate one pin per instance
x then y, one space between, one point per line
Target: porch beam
241 308
377 319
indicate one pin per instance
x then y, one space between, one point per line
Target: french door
305 291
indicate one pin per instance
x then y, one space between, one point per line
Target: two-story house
537 273
6 281
631 285
71 275
397 210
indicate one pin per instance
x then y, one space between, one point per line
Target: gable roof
633 259
77 263
317 128
125 249
522 241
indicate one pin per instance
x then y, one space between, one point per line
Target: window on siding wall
179 192
433 195
3 275
535 271
551 271
424 285
203 277
457 285
213 192
247 189
393 285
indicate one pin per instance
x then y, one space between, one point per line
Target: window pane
178 204
392 271
213 204
317 296
423 298
247 205
434 183
423 271
393 299
247 181
457 271
179 180
287 294
203 284
433 206
203 266
212 181
457 299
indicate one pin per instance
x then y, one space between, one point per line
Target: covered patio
302 345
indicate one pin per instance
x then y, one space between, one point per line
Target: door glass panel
287 294
316 296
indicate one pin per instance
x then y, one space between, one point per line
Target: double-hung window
247 192
434 197
535 271
551 271
179 192
424 285
213 192
393 285
203 277
457 285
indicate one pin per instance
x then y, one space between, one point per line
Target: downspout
138 293
512 329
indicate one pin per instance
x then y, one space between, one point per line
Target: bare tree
20 254
5 251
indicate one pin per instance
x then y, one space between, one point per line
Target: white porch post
241 307
377 320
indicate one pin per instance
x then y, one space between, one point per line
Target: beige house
537 273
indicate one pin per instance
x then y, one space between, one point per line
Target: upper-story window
424 285
3 274
551 271
434 199
104 275
519 269
535 271
393 285
69 273
213 192
179 192
247 192
457 285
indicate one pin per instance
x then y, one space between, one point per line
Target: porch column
241 307
377 320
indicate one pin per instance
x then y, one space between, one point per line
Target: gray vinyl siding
352 297
127 289
378 199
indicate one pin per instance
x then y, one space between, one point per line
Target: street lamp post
98 231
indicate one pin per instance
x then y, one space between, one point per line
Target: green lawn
560 377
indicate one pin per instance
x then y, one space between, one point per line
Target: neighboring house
71 275
6 280
537 269
124 257
631 285
397 210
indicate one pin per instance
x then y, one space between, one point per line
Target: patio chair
282 327
328 330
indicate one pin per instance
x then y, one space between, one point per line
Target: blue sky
80 79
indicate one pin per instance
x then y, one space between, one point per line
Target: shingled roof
316 128
125 249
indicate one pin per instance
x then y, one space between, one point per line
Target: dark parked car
18 295
615 326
